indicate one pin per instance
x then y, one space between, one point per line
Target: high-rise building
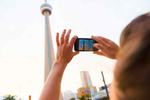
85 79
46 11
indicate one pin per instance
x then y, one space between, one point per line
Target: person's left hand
107 47
64 47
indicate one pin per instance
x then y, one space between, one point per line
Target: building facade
67 95
86 84
85 79
81 89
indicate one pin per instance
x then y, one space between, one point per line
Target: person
132 70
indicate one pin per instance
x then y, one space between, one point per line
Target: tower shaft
49 51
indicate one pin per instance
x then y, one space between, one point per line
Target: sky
22 39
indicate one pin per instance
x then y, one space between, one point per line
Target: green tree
85 97
72 99
9 97
81 98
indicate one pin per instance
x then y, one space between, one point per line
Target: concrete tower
46 11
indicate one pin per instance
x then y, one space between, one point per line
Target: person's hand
64 47
107 47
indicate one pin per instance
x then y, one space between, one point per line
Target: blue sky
22 39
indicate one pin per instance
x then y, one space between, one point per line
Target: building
87 90
86 84
85 79
93 89
83 89
46 11
100 94
68 95
103 87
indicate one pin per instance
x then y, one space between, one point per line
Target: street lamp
20 89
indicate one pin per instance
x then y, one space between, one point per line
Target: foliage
9 97
85 97
72 99
81 98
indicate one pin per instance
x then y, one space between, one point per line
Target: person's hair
133 77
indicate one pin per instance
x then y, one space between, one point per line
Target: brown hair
132 71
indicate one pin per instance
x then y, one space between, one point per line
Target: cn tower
46 11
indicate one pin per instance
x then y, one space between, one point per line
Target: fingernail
76 36
92 36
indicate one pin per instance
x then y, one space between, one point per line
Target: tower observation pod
46 11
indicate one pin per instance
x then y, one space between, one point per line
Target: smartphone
85 44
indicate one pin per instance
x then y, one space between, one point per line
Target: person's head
132 71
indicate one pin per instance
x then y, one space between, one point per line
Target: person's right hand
107 47
64 47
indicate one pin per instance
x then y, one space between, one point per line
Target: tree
85 97
9 97
81 98
72 99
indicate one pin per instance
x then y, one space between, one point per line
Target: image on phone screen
86 45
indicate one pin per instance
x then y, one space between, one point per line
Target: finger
57 39
75 53
100 41
73 40
67 36
110 42
104 39
99 46
62 37
99 53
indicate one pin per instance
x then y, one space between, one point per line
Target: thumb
75 53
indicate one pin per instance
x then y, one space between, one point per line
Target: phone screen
85 44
